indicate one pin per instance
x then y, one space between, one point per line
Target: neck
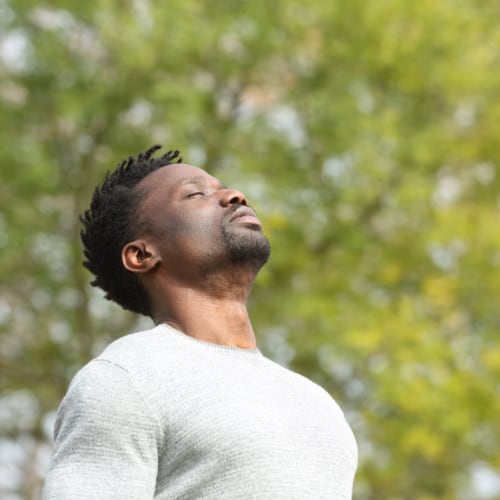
216 314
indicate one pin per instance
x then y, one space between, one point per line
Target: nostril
240 199
236 197
232 197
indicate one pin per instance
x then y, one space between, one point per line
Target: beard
246 246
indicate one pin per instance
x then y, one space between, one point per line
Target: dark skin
198 254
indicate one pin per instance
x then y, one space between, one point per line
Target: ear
139 256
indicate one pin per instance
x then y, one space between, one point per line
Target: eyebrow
200 179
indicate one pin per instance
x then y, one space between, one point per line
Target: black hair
110 223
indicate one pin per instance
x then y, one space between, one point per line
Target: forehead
174 176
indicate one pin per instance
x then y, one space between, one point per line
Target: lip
245 215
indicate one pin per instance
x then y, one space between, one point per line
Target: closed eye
195 194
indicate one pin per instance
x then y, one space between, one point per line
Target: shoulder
128 345
104 396
138 351
102 421
130 368
98 387
110 380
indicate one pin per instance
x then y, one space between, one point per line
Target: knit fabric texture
160 415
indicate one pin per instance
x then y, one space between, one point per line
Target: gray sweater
162 415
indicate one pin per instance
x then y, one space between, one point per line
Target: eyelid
205 192
195 193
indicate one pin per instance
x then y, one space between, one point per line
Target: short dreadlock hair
110 223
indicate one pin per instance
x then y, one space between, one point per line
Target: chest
255 418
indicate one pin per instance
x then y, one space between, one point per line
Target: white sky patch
338 168
446 256
6 13
70 298
485 172
231 44
142 9
276 343
286 120
5 312
15 50
204 80
60 332
448 190
98 305
197 155
40 299
51 19
52 251
365 101
442 257
11 457
465 115
485 482
48 422
13 94
139 114
18 411
85 143
4 236
78 37
42 459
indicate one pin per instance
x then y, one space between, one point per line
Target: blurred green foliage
365 134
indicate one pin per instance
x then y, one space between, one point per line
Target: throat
219 320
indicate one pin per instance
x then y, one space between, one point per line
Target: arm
105 439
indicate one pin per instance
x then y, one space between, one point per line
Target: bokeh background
366 135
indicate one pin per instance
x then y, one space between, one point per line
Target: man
189 409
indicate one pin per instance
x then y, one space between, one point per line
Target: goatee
246 246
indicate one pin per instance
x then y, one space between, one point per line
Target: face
198 223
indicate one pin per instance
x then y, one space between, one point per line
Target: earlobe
139 257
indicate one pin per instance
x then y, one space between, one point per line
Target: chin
249 247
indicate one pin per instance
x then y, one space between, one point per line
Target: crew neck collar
183 337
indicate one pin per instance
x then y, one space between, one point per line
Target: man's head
180 218
110 223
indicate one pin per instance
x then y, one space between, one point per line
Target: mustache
231 211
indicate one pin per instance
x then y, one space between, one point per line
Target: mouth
245 215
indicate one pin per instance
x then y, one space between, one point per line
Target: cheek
195 226
194 231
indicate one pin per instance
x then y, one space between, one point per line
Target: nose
231 197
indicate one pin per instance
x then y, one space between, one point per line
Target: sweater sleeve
105 439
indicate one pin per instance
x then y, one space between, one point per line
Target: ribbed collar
230 350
